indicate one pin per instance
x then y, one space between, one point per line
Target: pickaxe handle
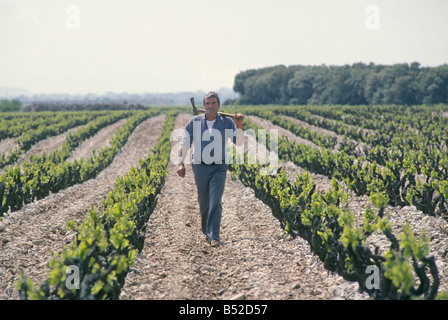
221 113
197 111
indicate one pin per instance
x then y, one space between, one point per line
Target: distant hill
11 93
151 99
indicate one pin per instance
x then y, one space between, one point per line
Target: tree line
10 105
357 84
59 106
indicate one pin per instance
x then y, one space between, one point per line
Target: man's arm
181 167
238 119
184 147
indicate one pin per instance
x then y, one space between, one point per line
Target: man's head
211 105
211 94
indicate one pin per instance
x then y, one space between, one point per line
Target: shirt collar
218 117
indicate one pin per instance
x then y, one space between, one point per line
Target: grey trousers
210 181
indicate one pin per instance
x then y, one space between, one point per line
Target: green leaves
398 262
332 230
107 240
398 269
411 246
379 200
50 173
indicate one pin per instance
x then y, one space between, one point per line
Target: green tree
357 84
434 85
300 87
10 105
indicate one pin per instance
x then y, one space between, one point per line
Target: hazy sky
81 46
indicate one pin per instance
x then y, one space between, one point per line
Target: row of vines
397 156
106 242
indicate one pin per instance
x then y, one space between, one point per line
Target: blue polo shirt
212 145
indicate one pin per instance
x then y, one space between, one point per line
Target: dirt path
46 146
435 227
266 124
96 142
28 236
359 145
256 261
363 130
7 144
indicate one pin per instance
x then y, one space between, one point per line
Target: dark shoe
215 243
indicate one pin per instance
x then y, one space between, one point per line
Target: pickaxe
197 111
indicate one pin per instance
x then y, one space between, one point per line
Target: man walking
208 133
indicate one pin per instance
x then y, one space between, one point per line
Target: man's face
211 105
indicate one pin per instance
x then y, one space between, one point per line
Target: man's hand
181 170
239 120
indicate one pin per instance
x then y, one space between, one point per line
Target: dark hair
211 94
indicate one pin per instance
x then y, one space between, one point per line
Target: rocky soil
46 146
29 236
7 144
256 261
